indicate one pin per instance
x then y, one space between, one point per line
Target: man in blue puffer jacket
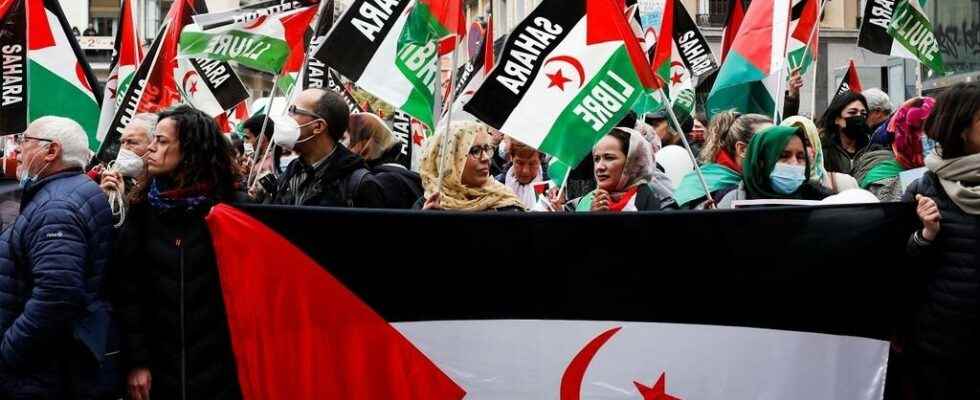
53 317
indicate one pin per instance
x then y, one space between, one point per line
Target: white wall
77 13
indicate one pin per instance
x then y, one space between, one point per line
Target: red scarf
624 199
726 160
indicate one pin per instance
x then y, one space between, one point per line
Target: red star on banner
557 79
657 392
676 78
417 138
193 88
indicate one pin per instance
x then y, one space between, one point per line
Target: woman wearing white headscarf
624 170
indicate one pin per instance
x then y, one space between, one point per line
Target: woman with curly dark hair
167 292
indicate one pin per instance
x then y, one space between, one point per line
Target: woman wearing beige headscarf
466 181
835 181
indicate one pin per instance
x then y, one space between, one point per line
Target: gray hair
145 122
878 100
67 133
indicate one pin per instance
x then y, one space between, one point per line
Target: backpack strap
353 183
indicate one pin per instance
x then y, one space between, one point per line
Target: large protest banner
777 303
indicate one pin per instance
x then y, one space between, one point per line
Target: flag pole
261 134
669 105
449 114
813 55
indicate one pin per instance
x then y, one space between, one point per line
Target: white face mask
128 164
249 150
287 132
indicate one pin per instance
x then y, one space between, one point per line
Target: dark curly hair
207 158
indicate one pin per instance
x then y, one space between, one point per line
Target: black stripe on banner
13 70
222 80
838 270
694 49
130 102
316 69
352 42
874 28
528 47
55 8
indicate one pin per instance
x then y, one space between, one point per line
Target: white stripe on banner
780 33
526 359
541 106
381 76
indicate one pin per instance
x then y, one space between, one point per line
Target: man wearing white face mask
54 319
325 173
123 173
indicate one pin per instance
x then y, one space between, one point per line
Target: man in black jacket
326 173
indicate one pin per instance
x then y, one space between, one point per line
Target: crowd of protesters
146 210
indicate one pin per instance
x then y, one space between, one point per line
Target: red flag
488 61
736 14
851 81
449 14
605 22
298 333
161 89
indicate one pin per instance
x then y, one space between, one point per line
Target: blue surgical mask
928 145
787 178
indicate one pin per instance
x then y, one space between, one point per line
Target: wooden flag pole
261 134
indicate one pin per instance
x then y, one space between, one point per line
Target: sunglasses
293 110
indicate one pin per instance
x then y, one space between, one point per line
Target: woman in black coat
176 338
946 332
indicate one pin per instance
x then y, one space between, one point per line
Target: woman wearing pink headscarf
880 171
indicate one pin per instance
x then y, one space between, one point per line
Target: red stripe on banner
296 26
298 333
853 80
605 22
736 14
4 6
488 61
37 24
130 50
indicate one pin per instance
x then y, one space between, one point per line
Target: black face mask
857 127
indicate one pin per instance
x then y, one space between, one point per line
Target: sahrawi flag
901 29
682 56
851 81
750 76
128 54
162 81
561 332
804 37
44 71
388 48
567 75
261 39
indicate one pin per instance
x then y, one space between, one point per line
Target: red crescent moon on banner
254 23
571 380
574 63
187 77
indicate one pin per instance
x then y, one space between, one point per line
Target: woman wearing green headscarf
776 166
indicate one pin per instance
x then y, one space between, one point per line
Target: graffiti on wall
960 41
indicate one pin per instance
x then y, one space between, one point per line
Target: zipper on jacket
183 345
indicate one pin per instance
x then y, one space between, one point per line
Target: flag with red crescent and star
319 313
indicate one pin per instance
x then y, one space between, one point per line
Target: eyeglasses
293 110
21 138
477 151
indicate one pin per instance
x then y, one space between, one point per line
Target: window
717 13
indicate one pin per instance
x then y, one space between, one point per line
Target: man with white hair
128 167
879 107
54 320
